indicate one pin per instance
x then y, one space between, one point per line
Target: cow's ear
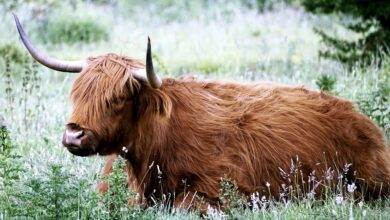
153 102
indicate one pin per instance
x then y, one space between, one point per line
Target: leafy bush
10 170
263 5
36 8
376 105
116 199
164 10
72 27
371 23
56 195
232 201
12 52
326 83
9 164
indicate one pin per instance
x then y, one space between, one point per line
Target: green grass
225 41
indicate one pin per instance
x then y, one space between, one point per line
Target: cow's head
102 95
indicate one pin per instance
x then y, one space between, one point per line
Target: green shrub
164 10
326 83
371 23
72 27
9 165
376 105
231 200
10 170
116 200
207 67
264 5
12 52
12 5
55 195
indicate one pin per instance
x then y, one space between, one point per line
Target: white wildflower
210 211
339 200
214 213
124 149
310 195
329 174
312 176
346 167
268 184
351 187
360 204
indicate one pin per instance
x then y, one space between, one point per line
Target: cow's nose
72 137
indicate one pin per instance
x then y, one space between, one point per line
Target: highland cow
181 136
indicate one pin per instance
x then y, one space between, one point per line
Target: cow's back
264 136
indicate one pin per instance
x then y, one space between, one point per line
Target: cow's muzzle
79 141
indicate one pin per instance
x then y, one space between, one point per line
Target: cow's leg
192 201
133 186
132 182
102 186
374 174
370 155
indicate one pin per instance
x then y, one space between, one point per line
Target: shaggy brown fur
188 134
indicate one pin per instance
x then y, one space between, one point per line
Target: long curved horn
55 64
153 78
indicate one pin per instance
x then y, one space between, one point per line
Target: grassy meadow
224 40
